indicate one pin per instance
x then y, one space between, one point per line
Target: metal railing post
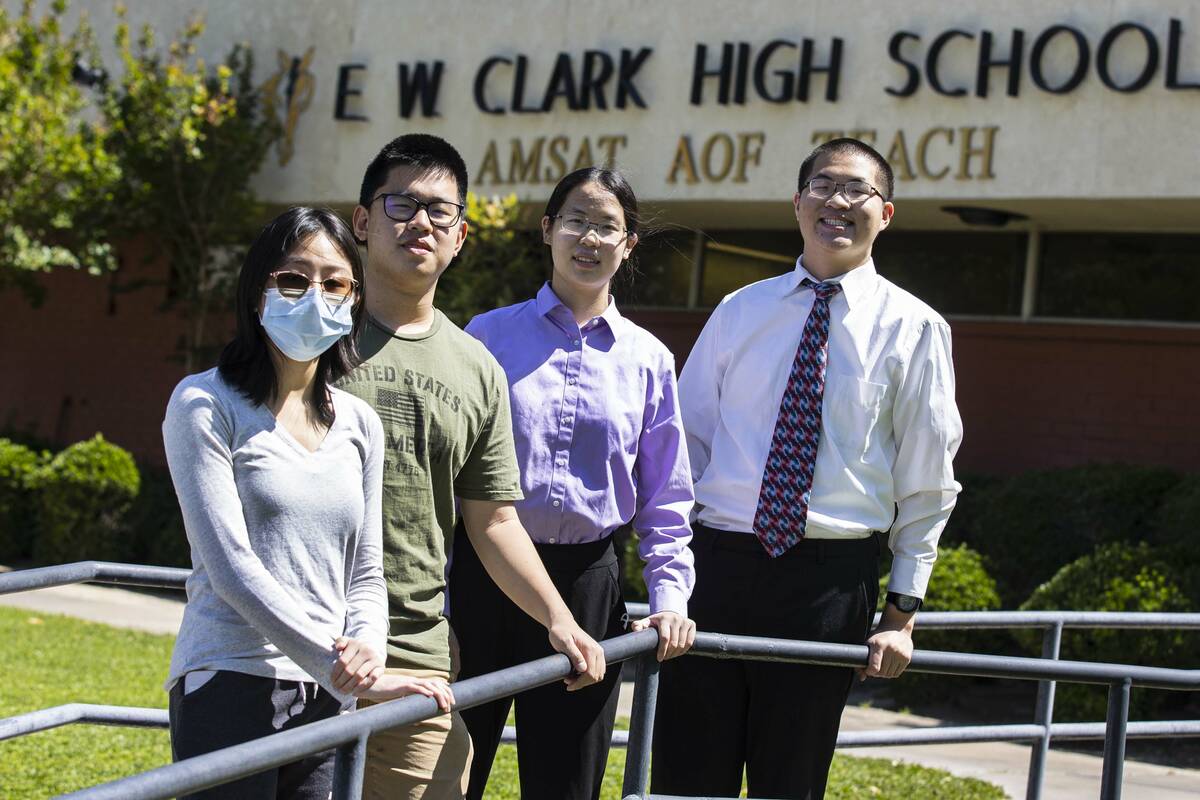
1043 715
641 728
348 764
1114 740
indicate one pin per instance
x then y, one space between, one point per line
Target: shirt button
577 343
557 503
552 540
571 381
566 420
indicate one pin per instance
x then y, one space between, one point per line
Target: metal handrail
350 737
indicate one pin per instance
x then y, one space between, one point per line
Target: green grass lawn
48 660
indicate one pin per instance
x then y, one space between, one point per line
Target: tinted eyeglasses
335 290
403 207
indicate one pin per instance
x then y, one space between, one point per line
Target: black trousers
779 721
562 737
232 708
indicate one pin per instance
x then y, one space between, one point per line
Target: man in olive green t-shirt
443 401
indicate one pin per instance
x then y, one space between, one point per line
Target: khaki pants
427 760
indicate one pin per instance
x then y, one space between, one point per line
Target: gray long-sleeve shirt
286 543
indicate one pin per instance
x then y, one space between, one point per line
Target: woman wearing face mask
279 478
601 444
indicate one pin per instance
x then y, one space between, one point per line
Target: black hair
419 150
846 145
614 182
245 363
607 178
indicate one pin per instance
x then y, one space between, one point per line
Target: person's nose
838 198
420 221
591 235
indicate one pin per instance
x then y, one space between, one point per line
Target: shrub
17 467
959 583
84 494
157 523
1038 522
1117 577
633 585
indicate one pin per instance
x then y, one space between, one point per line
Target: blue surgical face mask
304 328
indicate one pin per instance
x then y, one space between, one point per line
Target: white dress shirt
889 425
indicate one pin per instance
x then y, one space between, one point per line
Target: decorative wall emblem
287 94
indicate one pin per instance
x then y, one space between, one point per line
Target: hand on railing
392 686
357 667
676 633
587 657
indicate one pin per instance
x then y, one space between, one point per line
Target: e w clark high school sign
1056 60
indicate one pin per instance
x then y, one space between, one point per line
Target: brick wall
1049 394
1031 394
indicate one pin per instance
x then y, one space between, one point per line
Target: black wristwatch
904 602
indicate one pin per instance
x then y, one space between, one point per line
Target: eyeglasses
335 290
403 207
854 191
606 232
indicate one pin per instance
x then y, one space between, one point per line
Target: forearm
893 619
507 553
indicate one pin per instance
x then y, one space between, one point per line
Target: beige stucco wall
1093 146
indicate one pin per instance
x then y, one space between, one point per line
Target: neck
292 379
585 303
398 310
824 269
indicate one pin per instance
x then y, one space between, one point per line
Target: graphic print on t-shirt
405 412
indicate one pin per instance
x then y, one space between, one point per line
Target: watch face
906 604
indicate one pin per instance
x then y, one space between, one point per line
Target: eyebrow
828 177
580 212
422 197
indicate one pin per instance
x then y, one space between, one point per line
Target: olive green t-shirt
443 401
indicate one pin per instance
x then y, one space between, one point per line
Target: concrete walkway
1068 776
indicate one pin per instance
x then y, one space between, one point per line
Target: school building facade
1047 202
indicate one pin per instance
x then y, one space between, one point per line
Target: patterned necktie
787 478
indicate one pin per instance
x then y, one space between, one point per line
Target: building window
1144 277
976 274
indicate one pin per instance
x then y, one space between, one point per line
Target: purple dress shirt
598 434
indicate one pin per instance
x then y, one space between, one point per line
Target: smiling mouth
837 223
586 260
416 246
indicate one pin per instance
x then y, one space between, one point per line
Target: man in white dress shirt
819 410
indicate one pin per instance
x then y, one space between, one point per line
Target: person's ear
888 211
463 227
358 222
630 243
547 225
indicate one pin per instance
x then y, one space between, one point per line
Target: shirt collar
855 284
547 301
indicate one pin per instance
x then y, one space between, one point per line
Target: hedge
1119 577
960 582
18 465
83 495
1029 526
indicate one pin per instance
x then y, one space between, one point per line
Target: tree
55 174
188 140
499 263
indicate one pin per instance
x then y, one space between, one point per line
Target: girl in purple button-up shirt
600 442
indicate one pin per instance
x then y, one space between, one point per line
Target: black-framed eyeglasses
606 232
336 289
403 207
854 191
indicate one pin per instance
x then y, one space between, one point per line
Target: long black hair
607 178
246 361
616 184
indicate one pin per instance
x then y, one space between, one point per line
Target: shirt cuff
909 576
668 597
